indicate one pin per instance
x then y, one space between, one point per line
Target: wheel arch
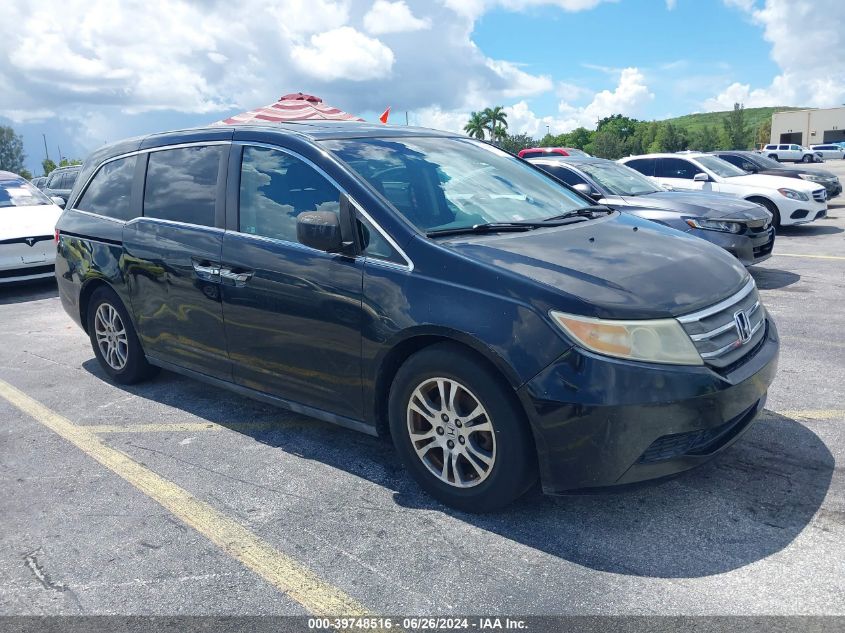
420 338
765 202
85 294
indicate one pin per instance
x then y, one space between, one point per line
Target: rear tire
114 340
807 158
460 431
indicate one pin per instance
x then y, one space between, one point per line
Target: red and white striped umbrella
290 108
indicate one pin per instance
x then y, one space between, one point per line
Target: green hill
753 118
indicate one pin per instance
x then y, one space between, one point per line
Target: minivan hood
632 268
705 205
28 221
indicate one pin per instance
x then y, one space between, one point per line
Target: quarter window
374 245
275 188
181 184
111 190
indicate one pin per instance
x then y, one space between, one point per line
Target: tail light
57 236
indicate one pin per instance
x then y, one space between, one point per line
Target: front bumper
601 422
749 247
21 262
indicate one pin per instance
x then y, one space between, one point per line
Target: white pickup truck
790 152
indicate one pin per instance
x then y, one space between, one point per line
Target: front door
172 259
293 314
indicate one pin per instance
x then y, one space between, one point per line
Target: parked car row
500 326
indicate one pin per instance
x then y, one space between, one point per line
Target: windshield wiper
582 212
487 227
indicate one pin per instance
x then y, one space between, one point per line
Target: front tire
460 431
114 340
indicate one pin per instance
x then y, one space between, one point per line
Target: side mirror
59 201
587 191
319 230
701 177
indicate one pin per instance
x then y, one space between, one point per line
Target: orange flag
384 115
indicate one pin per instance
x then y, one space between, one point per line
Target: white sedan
789 200
27 230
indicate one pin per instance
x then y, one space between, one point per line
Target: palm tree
497 120
475 126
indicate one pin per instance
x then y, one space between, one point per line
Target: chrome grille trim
820 195
719 330
706 312
716 331
735 345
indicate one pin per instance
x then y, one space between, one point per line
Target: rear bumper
601 422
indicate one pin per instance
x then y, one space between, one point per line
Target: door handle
207 271
238 279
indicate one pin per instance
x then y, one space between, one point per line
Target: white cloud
629 97
518 82
671 4
343 53
812 67
393 17
475 8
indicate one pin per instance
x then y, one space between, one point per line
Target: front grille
699 442
820 195
25 272
764 249
715 331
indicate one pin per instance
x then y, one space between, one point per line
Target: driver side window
275 188
676 168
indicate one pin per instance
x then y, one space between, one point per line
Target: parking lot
173 497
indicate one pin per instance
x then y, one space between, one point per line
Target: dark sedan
742 228
755 163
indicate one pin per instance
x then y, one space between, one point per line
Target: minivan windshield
719 167
17 193
619 180
441 183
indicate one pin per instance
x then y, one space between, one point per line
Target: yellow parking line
814 414
286 574
187 427
810 256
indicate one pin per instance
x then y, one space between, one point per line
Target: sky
88 72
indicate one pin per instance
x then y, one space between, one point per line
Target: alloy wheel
111 336
451 432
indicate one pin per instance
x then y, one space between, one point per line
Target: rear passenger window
111 189
676 168
643 165
181 184
275 188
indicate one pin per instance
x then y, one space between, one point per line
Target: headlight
812 177
715 225
654 341
794 195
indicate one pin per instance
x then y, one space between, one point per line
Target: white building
809 127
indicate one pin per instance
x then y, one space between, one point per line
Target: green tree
475 126
705 139
514 142
736 131
578 138
11 150
622 125
496 120
607 144
670 138
67 162
48 166
764 132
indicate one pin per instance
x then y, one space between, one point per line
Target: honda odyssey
499 326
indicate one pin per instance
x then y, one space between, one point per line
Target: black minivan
498 325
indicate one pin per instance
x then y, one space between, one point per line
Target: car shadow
772 278
747 504
804 230
23 291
